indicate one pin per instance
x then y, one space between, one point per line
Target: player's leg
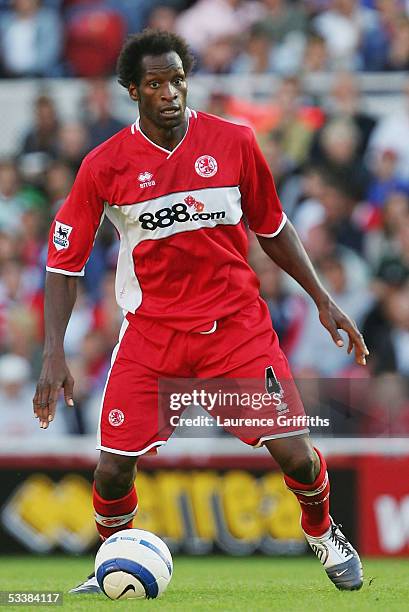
246 349
304 469
129 427
305 474
114 494
115 503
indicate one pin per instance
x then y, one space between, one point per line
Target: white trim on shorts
282 435
65 272
124 327
132 453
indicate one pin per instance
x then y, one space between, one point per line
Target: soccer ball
133 564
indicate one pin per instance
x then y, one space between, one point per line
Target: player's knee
302 466
113 479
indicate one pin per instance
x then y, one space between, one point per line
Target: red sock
112 515
314 500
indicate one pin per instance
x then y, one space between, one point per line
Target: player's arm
280 241
71 239
60 296
287 251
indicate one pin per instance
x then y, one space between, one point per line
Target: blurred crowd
342 175
46 38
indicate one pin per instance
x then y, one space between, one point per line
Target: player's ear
133 92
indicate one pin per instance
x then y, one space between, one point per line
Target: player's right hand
54 376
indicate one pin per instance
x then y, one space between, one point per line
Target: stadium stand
331 124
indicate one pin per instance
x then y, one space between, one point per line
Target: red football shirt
180 216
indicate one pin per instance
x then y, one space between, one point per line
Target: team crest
206 166
61 235
116 417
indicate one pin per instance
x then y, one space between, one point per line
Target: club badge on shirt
206 166
61 235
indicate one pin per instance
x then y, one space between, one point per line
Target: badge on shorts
61 235
116 417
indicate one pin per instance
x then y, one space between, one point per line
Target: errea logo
145 179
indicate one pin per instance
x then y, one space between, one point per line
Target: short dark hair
149 42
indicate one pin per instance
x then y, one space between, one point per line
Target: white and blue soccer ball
133 564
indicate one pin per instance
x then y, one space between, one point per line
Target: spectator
339 201
12 202
58 181
30 40
8 246
22 332
382 239
344 102
31 236
81 322
279 165
41 137
136 13
398 53
386 327
18 284
285 27
313 341
297 188
321 241
99 120
214 19
258 55
287 311
94 34
217 58
315 55
287 103
377 40
386 407
384 179
392 133
342 26
294 121
20 326
73 144
349 200
339 145
163 18
220 104
16 392
89 367
283 19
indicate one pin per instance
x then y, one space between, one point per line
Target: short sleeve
74 228
260 202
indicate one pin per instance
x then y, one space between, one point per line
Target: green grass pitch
256 584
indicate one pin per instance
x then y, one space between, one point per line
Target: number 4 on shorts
272 384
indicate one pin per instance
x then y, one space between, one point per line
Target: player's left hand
333 319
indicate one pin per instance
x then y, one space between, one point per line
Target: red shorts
241 347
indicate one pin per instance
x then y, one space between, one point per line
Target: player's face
162 92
